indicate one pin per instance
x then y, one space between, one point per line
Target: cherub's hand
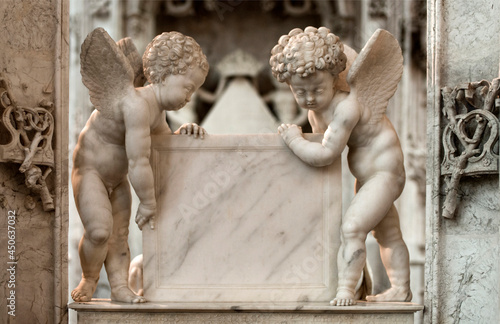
289 132
145 214
191 129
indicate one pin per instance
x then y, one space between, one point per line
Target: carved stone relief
470 139
27 133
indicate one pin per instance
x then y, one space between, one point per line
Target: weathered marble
462 254
241 219
219 33
101 311
353 118
114 147
468 24
33 58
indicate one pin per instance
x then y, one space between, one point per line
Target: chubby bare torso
373 148
101 149
101 146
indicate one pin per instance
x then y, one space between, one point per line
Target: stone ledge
104 311
106 305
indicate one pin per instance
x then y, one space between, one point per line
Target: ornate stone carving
470 139
28 132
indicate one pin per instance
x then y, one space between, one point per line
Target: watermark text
11 263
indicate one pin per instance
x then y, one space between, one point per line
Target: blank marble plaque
241 219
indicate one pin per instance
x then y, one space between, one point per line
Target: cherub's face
314 92
176 90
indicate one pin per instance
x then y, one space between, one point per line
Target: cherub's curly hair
172 53
303 52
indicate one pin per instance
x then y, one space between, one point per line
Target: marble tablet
241 219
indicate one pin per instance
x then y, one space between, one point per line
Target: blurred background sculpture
116 140
310 62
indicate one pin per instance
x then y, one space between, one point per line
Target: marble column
33 240
463 253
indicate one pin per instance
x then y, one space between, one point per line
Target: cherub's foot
394 294
85 290
344 298
125 295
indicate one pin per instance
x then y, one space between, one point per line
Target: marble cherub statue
116 142
310 62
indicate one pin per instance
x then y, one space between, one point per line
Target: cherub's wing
134 58
376 72
351 57
106 72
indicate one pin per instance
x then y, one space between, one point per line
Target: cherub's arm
335 140
138 147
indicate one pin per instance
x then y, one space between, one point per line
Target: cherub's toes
139 300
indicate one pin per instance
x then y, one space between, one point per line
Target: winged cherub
116 142
312 62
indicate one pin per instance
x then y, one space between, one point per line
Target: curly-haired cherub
310 62
116 143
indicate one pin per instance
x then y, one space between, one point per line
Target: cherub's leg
118 259
93 205
367 209
395 257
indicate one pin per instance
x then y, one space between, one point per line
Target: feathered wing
106 72
128 48
376 72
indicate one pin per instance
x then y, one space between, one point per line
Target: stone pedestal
241 219
103 311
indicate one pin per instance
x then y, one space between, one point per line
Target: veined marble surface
362 307
106 312
241 219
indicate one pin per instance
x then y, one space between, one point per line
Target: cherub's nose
310 97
